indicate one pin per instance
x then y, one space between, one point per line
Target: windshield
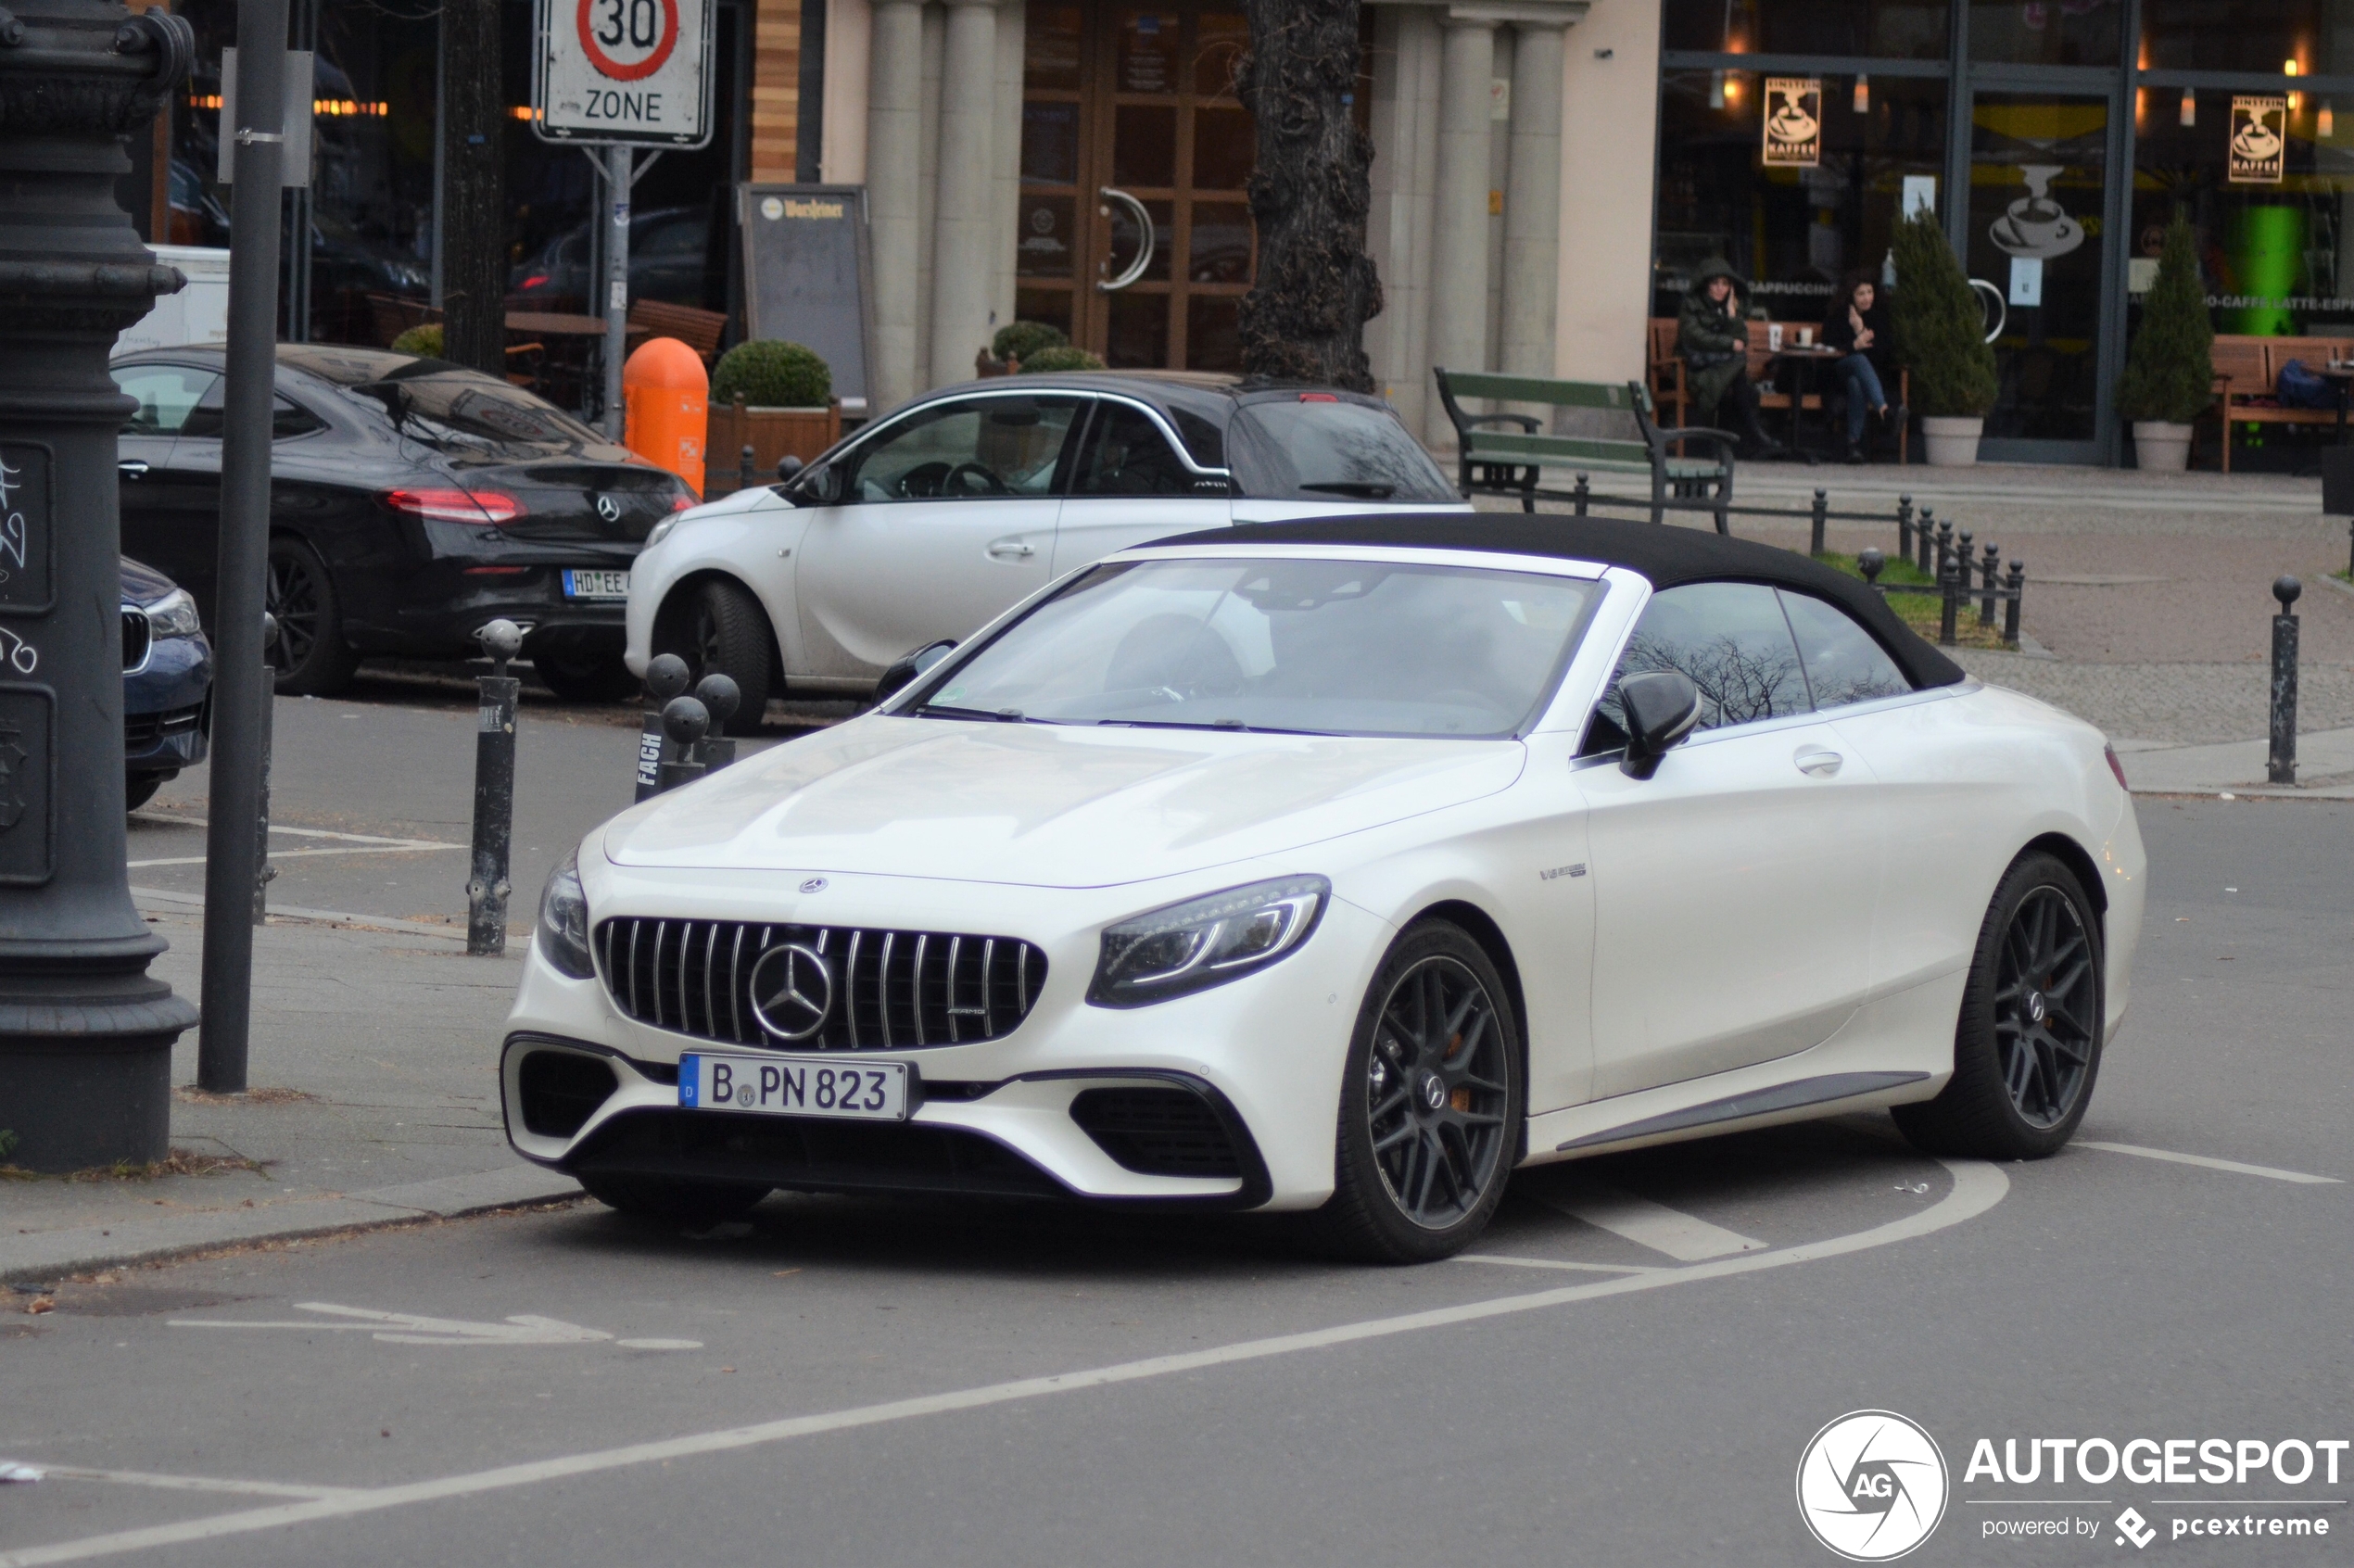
1318 447
458 412
1321 647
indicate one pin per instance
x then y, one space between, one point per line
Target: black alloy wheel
723 629
2027 1046
1431 1103
311 656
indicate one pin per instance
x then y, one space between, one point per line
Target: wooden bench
1510 462
1663 370
699 330
2246 377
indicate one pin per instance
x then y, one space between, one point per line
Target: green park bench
1511 461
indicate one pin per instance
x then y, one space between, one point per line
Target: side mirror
1661 709
821 487
905 672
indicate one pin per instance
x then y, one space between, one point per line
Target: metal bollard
665 678
2016 587
686 721
1949 585
1944 546
488 889
1583 493
747 471
1822 516
721 698
1962 560
1989 577
1922 530
1871 562
2281 766
1904 527
263 872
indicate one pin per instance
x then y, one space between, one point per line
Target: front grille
808 1155
1158 1132
891 990
138 634
143 731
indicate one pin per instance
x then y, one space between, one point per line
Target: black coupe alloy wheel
2046 1001
1437 1091
311 656
293 599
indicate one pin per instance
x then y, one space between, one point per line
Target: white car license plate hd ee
596 585
795 1086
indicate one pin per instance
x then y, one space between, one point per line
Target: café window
2273 229
1792 228
2057 32
1899 29
2318 35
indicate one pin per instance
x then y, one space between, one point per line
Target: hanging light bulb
2190 108
1715 89
1732 87
2325 123
1862 93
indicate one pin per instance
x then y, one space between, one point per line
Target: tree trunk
1304 319
473 218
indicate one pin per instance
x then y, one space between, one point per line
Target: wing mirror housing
820 486
910 667
1661 709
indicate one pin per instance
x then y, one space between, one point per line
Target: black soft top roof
1665 555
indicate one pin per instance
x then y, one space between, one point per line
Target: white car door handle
1014 548
1817 761
132 468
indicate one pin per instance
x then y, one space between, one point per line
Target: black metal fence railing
1939 552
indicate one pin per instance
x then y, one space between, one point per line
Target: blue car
167 682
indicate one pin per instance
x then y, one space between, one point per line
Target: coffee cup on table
1774 336
1806 337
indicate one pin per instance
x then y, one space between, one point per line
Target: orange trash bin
665 415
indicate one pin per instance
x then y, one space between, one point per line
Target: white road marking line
294 832
1554 1263
410 1328
193 1483
296 855
2209 1163
1977 1187
1685 1237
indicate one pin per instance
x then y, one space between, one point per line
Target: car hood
1046 806
141 584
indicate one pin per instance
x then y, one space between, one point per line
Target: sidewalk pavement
375 1103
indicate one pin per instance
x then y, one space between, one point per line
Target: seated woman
1858 329
1711 336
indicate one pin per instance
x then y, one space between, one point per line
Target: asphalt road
857 1383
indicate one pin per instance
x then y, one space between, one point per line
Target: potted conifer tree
1940 332
2169 371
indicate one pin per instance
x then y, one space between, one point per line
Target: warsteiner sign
624 71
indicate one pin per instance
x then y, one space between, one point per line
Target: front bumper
1075 1102
168 707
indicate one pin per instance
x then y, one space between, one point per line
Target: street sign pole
618 160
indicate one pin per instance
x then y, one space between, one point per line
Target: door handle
132 468
1817 761
1143 252
1014 548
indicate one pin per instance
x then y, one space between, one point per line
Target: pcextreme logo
1872 1485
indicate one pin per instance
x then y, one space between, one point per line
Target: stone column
964 227
1459 260
1533 202
894 152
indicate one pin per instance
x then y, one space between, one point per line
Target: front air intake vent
1158 1132
817 988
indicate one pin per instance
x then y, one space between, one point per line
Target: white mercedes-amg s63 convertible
1344 866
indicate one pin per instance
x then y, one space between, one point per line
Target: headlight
174 615
662 531
1206 941
564 921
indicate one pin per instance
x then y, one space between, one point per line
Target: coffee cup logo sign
2260 139
1793 122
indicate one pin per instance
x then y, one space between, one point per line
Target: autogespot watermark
1872 1485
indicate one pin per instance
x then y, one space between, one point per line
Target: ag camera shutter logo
1872 1485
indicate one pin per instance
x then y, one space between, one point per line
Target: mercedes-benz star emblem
609 509
815 884
792 990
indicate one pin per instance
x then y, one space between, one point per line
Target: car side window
1730 638
1127 455
981 449
287 418
1845 664
167 395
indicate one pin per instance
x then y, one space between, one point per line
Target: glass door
1135 232
2037 254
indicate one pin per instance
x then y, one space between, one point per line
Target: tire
310 655
585 675
138 788
722 628
672 1201
2025 1055
1414 1182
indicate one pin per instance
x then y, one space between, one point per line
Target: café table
2340 374
1807 360
578 365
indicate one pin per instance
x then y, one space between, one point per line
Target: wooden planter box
771 433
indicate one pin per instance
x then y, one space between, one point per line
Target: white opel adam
931 523
1344 866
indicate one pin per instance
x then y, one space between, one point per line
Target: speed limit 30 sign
624 71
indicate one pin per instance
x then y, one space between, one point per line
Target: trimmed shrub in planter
2169 371
1061 358
770 374
1020 340
1941 335
422 341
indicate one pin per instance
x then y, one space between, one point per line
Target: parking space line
1978 1187
1685 1237
1554 1263
416 847
192 1483
2208 1162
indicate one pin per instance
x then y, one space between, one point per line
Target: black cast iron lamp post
85 1032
